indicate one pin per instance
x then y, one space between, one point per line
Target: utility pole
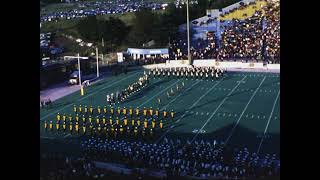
188 33
97 55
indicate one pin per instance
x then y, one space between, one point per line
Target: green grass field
241 109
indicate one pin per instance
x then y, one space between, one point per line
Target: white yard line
221 103
159 93
85 97
164 134
44 137
265 130
245 108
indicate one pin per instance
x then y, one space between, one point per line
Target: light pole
97 61
79 69
188 33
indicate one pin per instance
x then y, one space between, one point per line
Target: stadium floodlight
188 33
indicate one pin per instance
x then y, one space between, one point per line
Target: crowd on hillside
88 8
178 158
256 37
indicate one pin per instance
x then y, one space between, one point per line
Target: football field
239 109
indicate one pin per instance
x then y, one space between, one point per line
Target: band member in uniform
138 122
99 110
144 112
50 125
111 111
58 116
157 112
57 125
45 125
165 114
70 127
77 118
105 110
77 127
80 109
85 109
125 121
91 110
128 130
151 132
91 128
161 124
110 121
132 122
117 121
70 118
90 119
159 101
124 111
99 129
121 129
83 119
84 129
74 108
172 114
64 126
153 123
143 132
135 131
137 111
145 123
130 111
151 111
97 120
103 119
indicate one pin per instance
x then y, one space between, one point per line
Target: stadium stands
256 37
175 157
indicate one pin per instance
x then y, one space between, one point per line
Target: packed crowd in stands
256 37
272 31
178 158
56 166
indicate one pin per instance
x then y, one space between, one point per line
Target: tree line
147 25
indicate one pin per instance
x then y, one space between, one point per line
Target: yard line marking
67 135
44 137
86 97
184 114
179 96
224 99
158 93
245 108
265 130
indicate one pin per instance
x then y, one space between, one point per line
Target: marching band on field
110 121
